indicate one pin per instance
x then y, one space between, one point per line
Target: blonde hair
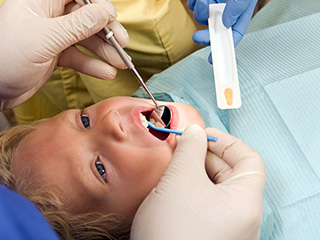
68 226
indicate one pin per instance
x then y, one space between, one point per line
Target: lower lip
174 116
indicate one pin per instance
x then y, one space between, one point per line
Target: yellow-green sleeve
160 34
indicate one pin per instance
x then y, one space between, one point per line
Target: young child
89 170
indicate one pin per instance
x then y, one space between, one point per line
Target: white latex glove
186 204
38 35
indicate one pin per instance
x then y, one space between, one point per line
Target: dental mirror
162 114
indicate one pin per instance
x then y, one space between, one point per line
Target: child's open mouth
145 117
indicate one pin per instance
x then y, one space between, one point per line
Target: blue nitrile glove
237 14
21 220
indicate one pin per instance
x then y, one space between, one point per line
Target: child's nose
110 126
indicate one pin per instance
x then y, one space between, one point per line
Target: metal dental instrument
163 112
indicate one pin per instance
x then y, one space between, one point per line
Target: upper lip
136 118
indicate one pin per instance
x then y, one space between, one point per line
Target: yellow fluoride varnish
228 96
223 60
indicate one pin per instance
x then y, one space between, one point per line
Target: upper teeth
144 122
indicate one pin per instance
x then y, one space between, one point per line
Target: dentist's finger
80 24
243 167
240 25
187 164
202 37
81 62
235 153
191 4
235 9
217 169
201 11
104 50
120 33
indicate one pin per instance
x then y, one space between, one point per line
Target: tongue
158 134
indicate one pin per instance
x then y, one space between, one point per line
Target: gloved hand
237 14
38 35
186 204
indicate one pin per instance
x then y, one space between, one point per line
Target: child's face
109 167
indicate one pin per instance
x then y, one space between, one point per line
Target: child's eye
85 120
101 169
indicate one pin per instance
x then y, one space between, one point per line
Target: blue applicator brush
168 130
